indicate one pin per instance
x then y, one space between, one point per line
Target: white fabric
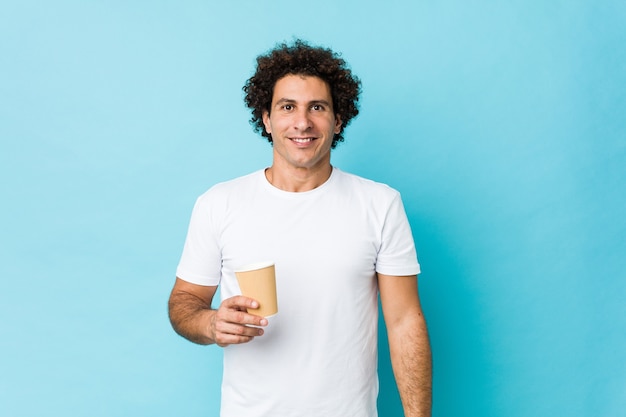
318 356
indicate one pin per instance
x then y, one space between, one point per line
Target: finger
229 339
236 334
226 328
241 302
231 315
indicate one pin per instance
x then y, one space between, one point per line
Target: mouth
302 140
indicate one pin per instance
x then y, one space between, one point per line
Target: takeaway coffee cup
258 281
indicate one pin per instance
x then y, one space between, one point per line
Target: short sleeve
201 259
397 255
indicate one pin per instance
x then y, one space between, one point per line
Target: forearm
412 365
191 317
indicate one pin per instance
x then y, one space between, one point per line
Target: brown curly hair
302 59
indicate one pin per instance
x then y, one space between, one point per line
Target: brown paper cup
258 281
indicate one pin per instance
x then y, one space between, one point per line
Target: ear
338 124
266 122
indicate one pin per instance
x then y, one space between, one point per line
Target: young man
337 241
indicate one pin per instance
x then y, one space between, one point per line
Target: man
337 240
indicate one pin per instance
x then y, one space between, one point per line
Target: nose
302 120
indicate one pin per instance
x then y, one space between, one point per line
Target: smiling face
302 123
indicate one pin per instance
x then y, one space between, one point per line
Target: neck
297 180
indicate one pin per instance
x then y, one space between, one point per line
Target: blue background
502 124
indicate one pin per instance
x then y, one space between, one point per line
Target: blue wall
503 125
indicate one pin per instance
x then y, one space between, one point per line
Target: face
302 122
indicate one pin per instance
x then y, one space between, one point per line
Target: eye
317 107
288 107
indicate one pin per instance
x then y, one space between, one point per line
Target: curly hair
302 59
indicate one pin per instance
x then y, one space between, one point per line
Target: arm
192 317
408 343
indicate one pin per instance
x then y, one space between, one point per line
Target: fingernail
263 322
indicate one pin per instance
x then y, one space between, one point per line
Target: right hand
230 324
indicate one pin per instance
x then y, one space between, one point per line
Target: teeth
302 140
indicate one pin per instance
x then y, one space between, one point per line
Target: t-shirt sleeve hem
197 279
399 271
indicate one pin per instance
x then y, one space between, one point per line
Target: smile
302 140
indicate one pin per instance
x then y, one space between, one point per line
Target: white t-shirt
318 356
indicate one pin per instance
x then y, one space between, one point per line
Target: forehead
301 88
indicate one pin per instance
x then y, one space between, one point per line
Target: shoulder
232 186
227 193
352 183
